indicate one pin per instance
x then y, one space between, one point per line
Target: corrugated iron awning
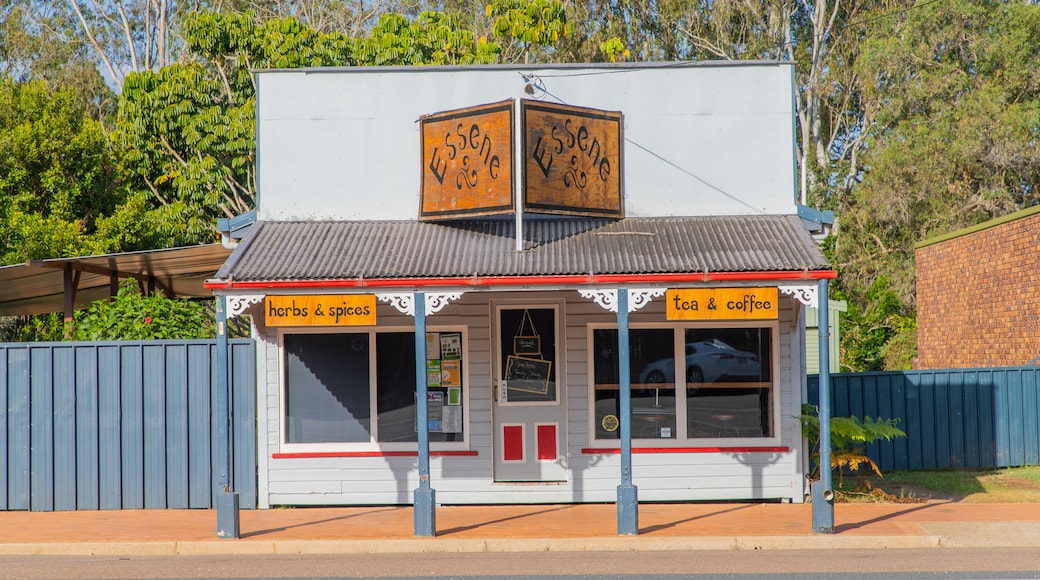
313 252
39 286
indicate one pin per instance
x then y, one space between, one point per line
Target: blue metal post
425 516
627 494
822 494
227 501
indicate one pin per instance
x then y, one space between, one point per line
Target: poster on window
433 345
451 373
433 373
451 419
454 396
434 412
451 346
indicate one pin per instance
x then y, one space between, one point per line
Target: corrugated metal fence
121 425
986 417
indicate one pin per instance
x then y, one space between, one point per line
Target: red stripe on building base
317 454
614 451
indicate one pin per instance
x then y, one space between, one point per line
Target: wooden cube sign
571 161
467 157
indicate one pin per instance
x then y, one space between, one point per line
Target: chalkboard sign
528 375
527 346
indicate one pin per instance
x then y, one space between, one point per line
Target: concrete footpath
531 528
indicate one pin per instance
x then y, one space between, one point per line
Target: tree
529 24
55 175
125 35
434 38
186 132
956 95
35 46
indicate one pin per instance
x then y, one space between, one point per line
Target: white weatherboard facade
699 140
592 477
344 144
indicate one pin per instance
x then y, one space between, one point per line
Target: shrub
134 316
849 438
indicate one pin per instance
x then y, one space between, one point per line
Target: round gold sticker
610 423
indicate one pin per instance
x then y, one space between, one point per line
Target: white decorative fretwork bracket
804 293
238 303
607 298
405 302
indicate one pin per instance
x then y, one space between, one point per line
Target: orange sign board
721 304
467 162
572 160
320 310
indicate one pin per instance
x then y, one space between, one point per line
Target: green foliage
953 94
870 323
900 352
36 45
186 132
849 438
40 328
55 176
181 137
614 49
529 23
134 316
434 38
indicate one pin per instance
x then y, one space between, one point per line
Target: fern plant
849 439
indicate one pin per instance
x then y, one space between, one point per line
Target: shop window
728 382
652 376
327 394
332 380
728 377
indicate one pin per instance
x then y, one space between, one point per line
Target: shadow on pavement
479 525
857 525
665 526
314 523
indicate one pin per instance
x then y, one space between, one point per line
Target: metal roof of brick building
327 250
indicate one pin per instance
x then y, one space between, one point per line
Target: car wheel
655 377
694 375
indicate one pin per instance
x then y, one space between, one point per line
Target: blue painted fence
121 425
985 417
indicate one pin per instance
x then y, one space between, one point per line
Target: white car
707 361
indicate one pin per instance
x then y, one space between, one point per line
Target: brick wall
978 296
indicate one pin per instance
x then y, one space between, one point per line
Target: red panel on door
513 442
547 442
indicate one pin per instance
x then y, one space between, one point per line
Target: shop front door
529 413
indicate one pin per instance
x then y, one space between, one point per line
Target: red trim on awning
614 451
320 454
526 280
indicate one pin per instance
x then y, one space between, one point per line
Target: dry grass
1010 485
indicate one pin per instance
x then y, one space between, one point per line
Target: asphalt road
831 564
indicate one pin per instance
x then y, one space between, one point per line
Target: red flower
147 319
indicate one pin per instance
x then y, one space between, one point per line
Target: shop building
504 213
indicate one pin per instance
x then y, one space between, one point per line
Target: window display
653 383
727 372
330 383
728 382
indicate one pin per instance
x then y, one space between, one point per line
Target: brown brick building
978 294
